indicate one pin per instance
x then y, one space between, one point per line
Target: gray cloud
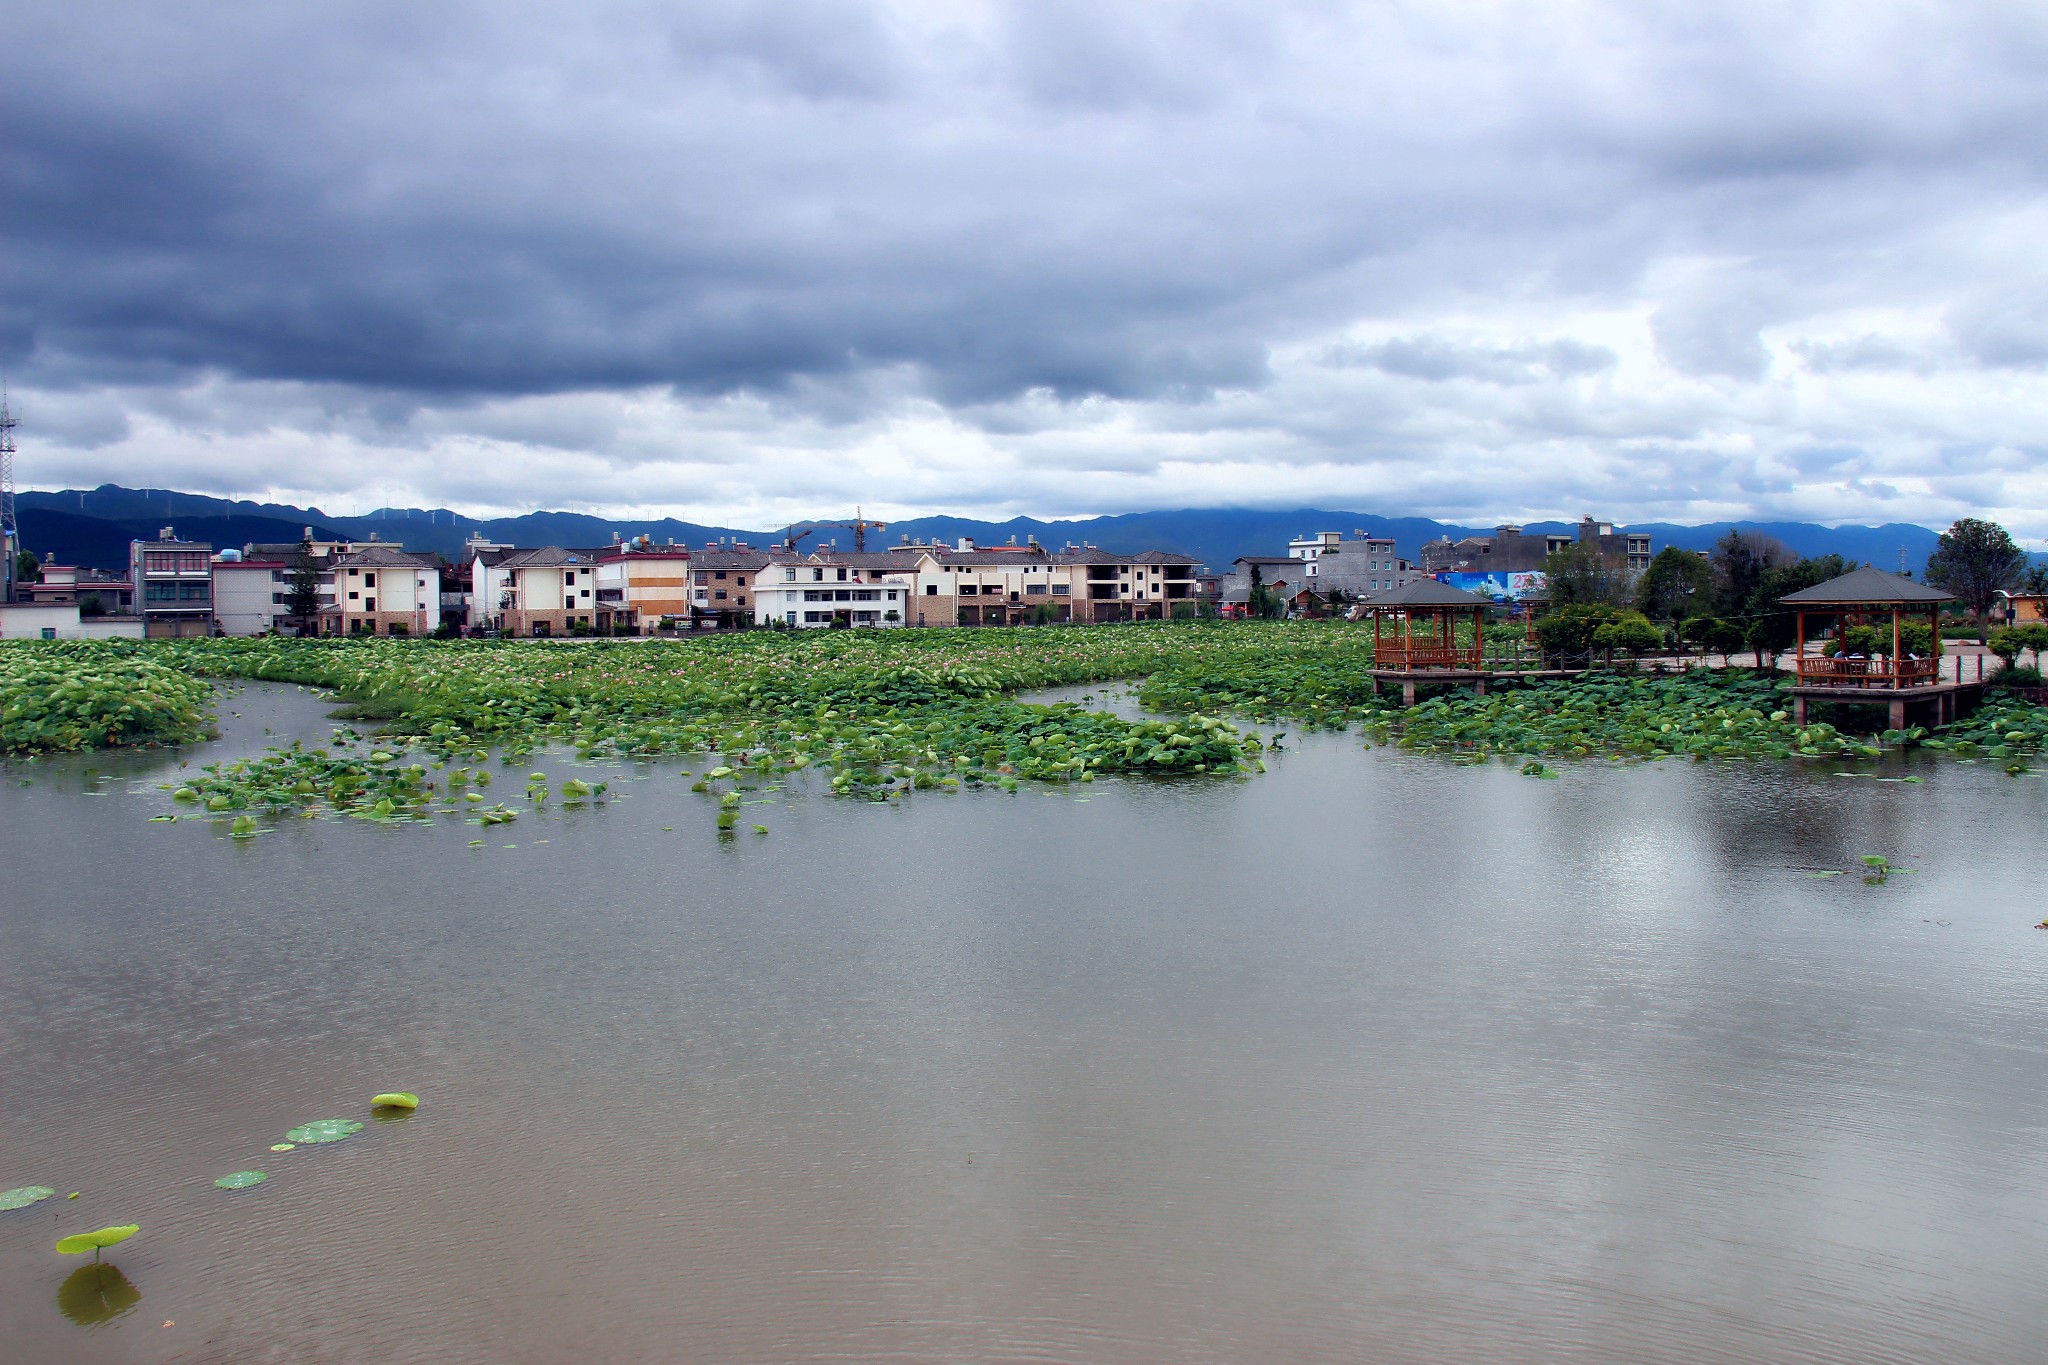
1031 256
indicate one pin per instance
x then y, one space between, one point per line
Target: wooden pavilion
1415 635
1896 673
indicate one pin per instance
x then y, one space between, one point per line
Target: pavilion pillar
1407 694
1479 687
1799 711
1898 713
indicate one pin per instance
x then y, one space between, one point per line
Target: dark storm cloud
1363 244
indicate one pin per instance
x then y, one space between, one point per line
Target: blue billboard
1501 587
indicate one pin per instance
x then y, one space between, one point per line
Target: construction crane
860 526
10 530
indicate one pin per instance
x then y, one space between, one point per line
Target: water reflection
1372 1057
97 1293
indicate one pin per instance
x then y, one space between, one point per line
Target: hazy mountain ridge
93 527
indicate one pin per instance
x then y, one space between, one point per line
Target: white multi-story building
835 589
251 596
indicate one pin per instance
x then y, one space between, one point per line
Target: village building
831 588
173 585
642 587
250 596
543 592
382 590
722 582
1340 569
94 591
1510 550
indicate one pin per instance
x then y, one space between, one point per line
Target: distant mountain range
93 528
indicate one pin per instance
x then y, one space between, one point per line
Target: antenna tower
9 531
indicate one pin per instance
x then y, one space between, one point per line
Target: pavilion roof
1427 592
1867 587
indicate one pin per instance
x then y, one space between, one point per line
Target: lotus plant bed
881 712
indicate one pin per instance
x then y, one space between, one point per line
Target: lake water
1373 1058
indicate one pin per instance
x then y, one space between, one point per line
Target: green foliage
57 695
22 1196
27 568
1677 583
1975 560
242 1180
1712 635
1579 575
80 1242
1699 715
395 1099
325 1130
302 597
1629 633
2010 643
1568 633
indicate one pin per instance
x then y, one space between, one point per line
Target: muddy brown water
1373 1058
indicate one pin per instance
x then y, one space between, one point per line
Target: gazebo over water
1895 670
1415 636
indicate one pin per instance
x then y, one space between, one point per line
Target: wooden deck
1942 701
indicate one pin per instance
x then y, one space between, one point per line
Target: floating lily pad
283 1146
242 1180
22 1196
395 1099
325 1130
80 1242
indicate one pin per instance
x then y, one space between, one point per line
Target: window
842 575
789 576
841 595
370 580
867 595
720 594
1062 590
354 596
1034 589
568 575
931 590
968 590
817 575
719 575
816 617
891 594
369 604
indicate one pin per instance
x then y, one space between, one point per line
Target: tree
92 604
2007 644
1975 560
1567 633
1579 575
1771 627
1631 632
1676 583
2034 582
1712 635
27 568
1739 562
303 598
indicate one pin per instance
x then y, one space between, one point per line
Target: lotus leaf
23 1195
395 1099
80 1242
242 1180
325 1130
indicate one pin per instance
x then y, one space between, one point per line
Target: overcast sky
748 262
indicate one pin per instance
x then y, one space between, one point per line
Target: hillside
94 527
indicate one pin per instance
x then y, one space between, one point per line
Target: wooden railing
1425 656
1888 673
